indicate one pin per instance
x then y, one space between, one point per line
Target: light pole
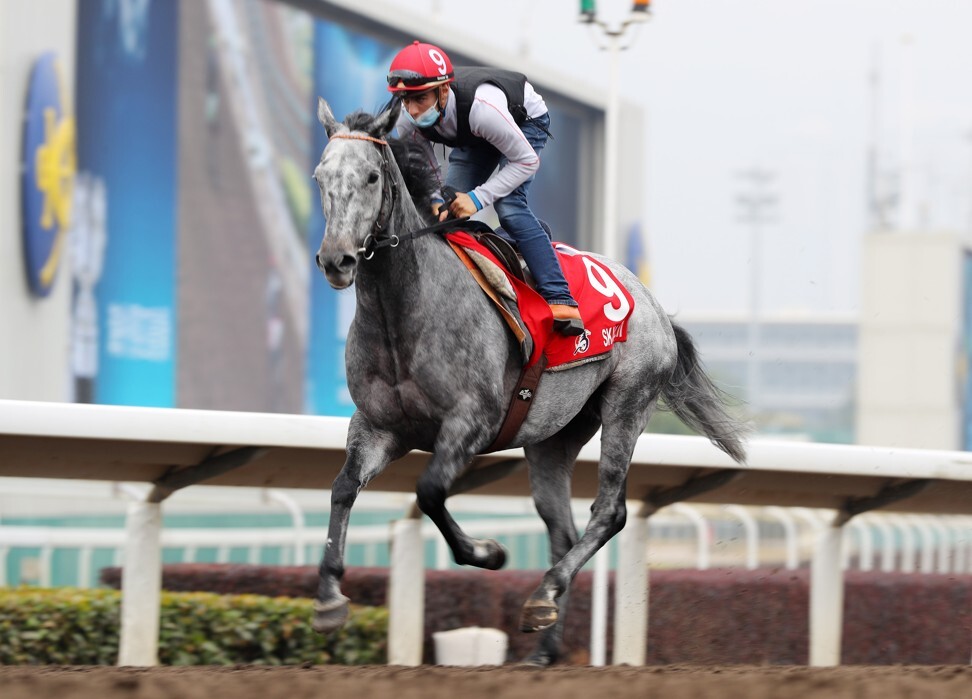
757 205
640 12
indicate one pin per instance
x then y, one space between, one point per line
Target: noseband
389 194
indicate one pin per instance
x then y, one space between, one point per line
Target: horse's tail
699 403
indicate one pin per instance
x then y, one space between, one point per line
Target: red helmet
419 67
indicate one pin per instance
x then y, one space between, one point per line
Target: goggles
411 79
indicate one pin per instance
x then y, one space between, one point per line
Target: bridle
378 237
389 194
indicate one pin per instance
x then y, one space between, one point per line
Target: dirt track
666 682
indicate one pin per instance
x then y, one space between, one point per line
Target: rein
372 243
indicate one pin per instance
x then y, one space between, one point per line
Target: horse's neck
394 282
400 276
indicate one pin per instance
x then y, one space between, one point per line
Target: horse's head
355 177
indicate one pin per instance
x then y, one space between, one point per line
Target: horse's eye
372 178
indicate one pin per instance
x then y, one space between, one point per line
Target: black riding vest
468 79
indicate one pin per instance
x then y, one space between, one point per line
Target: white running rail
733 535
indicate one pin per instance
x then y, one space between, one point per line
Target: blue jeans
470 166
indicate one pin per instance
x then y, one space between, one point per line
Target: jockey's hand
462 206
437 209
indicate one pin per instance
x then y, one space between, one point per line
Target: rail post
826 597
406 591
826 590
141 585
599 604
631 592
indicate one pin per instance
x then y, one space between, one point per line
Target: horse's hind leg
551 467
369 451
624 415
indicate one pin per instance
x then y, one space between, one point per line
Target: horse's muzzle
338 269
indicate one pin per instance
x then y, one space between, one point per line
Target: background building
34 350
800 380
915 341
897 376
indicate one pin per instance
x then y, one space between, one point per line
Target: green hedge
80 627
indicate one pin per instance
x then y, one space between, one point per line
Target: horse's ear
386 121
326 117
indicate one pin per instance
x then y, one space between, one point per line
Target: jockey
496 125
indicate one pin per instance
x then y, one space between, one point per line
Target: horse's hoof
538 615
489 554
331 615
536 661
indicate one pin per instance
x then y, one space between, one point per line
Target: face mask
426 118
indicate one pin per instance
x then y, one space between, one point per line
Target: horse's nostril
342 264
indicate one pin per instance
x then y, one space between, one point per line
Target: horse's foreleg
459 439
369 451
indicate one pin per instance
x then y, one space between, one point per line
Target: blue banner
127 73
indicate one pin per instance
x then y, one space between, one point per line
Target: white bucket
470 646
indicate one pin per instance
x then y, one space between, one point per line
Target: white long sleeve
490 120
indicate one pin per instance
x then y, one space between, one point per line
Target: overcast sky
779 84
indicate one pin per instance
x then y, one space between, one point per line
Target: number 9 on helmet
419 67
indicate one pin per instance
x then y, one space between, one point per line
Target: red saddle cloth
604 304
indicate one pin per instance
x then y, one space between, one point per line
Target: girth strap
523 395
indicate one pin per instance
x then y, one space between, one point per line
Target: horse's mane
360 121
420 177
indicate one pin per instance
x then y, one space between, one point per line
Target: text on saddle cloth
604 304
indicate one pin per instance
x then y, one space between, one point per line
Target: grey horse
431 366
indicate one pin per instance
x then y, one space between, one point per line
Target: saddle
501 247
500 271
506 253
505 250
490 271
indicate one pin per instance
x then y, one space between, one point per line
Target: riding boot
567 319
